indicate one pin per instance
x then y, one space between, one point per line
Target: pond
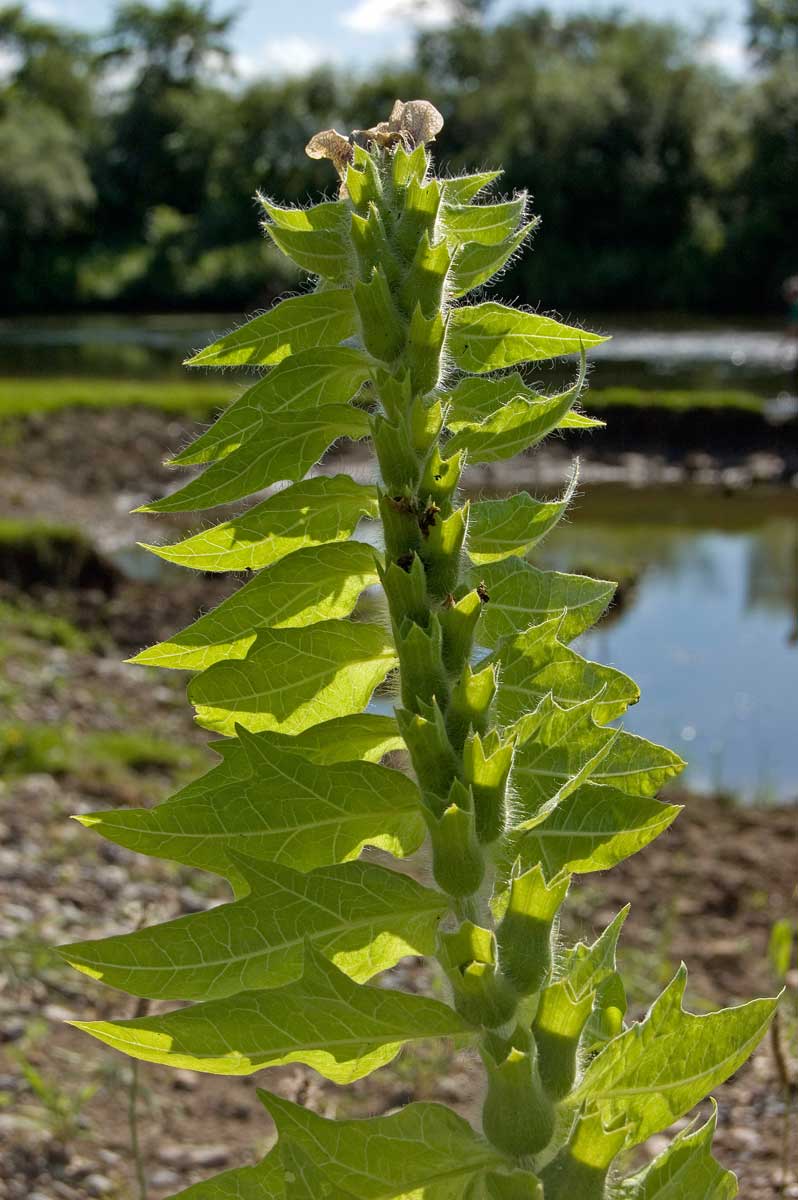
707 620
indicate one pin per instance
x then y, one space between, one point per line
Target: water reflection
707 625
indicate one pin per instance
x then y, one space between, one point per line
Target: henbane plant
502 762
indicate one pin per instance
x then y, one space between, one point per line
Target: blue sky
277 36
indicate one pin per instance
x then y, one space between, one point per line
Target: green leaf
316 238
318 583
361 916
298 323
321 250
475 264
685 1170
464 187
659 1069
341 1029
343 739
584 968
294 678
521 423
555 745
262 1182
309 380
487 224
294 812
489 336
535 663
593 829
311 513
521 595
285 446
499 528
424 1150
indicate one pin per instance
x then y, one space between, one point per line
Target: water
707 624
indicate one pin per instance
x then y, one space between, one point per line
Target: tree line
130 159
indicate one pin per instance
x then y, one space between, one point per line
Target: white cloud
382 16
288 55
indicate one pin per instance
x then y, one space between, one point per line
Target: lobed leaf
463 188
361 916
262 1182
520 423
308 380
365 735
341 1029
424 1150
555 745
535 664
521 595
310 513
500 528
659 1069
593 829
476 263
294 678
487 337
285 446
685 1170
486 224
295 812
321 318
318 583
315 238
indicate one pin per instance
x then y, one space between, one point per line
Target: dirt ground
706 892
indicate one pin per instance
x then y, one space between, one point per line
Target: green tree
773 30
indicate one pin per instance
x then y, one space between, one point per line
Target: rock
164 1178
185 1157
98 1185
185 1081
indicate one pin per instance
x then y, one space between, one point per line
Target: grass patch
30 622
199 398
674 401
57 750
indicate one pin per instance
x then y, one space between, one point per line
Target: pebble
184 1157
98 1185
164 1178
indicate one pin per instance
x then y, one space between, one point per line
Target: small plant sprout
508 770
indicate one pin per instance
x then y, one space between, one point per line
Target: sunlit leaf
489 336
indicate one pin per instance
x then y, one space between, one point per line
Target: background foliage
129 160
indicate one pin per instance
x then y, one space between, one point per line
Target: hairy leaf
315 238
593 829
310 513
463 188
659 1069
262 1182
318 583
425 1150
342 1029
285 446
521 595
487 337
499 528
312 379
475 263
518 425
293 678
363 917
535 664
555 745
343 739
685 1170
298 323
297 812
487 224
